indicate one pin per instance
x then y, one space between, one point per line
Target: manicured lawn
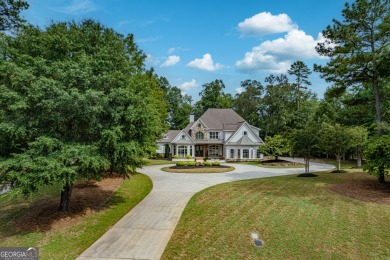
297 218
199 170
70 241
150 162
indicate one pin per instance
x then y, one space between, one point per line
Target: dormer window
245 133
183 136
165 136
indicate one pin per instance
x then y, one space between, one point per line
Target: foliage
180 108
176 156
189 157
359 135
207 163
181 163
358 48
248 103
9 14
216 163
275 146
70 101
301 73
191 163
335 139
377 155
212 96
305 143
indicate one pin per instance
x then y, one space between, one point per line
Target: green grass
347 164
150 162
69 242
297 218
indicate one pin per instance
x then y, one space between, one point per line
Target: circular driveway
144 232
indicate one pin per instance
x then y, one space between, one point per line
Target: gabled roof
245 140
228 141
221 118
179 140
171 134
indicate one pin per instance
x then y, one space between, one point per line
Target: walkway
144 232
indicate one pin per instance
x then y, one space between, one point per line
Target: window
182 151
165 136
213 150
199 136
231 153
199 125
245 153
245 133
213 135
183 136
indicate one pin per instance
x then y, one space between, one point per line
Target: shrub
216 163
181 163
191 163
207 163
200 164
189 157
176 156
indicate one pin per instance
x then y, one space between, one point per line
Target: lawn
297 218
150 162
71 240
259 164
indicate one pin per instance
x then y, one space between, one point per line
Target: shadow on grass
42 215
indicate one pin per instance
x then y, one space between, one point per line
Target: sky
196 42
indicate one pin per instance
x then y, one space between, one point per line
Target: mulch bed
198 167
365 188
280 163
87 197
307 175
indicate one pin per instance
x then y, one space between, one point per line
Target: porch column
188 149
193 150
241 153
227 155
251 153
177 150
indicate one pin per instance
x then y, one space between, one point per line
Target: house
218 134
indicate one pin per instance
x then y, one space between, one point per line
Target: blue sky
195 42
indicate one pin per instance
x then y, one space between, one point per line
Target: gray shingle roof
171 134
245 140
222 118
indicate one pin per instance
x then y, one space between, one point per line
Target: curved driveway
144 232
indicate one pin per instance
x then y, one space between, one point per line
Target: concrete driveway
144 232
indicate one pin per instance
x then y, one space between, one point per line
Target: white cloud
277 55
239 90
266 23
77 7
171 61
205 63
171 50
188 85
150 59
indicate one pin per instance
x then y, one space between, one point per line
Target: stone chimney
192 118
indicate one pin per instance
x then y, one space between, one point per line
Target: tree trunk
276 158
65 197
338 162
359 158
307 169
381 176
378 108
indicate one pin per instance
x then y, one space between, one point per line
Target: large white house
217 134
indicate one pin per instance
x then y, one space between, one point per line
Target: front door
198 150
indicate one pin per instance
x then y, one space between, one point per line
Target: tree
359 137
9 14
358 48
275 146
79 103
212 96
377 154
301 73
305 143
248 103
335 139
180 108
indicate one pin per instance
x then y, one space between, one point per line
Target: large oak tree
76 103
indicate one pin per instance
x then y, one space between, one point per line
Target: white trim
238 130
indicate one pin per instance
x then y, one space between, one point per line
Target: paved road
144 232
